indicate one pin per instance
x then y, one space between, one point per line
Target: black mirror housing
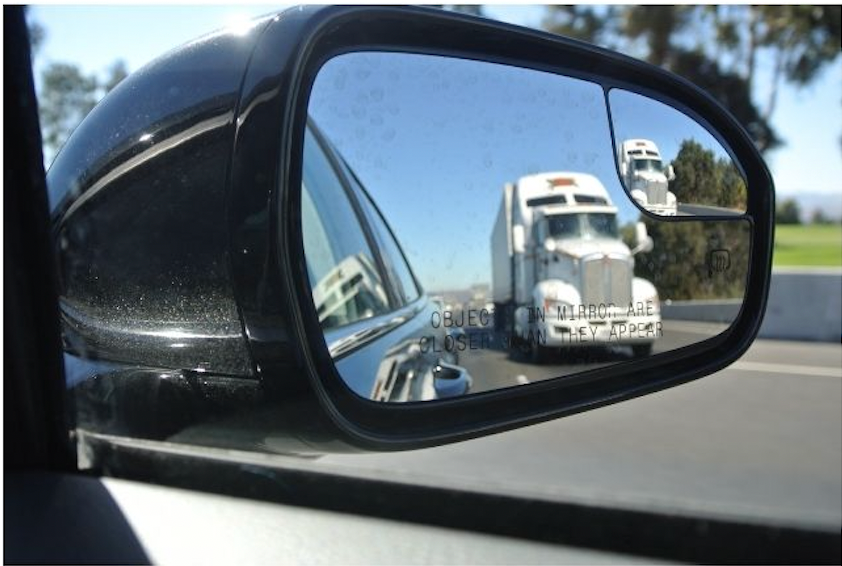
227 254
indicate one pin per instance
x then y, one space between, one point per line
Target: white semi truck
562 277
646 177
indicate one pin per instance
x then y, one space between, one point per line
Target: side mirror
670 173
644 242
261 249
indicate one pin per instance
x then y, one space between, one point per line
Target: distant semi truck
562 277
646 177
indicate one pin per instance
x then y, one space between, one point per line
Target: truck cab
646 177
563 277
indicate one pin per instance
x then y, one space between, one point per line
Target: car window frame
324 147
364 194
347 338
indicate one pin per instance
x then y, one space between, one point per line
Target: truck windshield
585 225
648 165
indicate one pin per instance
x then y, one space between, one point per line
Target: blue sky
809 120
435 139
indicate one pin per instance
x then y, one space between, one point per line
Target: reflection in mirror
465 230
669 163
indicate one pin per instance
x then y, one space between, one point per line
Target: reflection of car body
646 178
405 374
365 297
353 280
562 276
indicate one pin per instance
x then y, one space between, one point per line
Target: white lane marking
788 369
522 380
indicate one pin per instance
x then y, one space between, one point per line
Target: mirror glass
465 229
669 163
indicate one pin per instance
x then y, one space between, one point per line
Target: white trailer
646 178
561 275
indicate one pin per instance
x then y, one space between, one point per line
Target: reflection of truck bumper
662 209
628 331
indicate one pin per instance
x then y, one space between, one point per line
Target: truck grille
657 193
606 280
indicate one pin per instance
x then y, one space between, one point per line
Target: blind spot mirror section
669 164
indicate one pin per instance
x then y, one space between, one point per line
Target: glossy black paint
196 264
140 199
139 207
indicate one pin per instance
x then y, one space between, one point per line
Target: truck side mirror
518 239
624 167
643 240
670 173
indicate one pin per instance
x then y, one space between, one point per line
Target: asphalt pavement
501 366
760 439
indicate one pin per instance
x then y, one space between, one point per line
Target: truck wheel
642 350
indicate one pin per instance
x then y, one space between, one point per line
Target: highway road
760 439
496 366
685 209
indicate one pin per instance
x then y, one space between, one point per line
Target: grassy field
817 245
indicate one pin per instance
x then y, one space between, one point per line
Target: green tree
788 212
36 34
114 75
680 263
800 40
818 217
587 23
657 27
66 94
701 178
628 234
